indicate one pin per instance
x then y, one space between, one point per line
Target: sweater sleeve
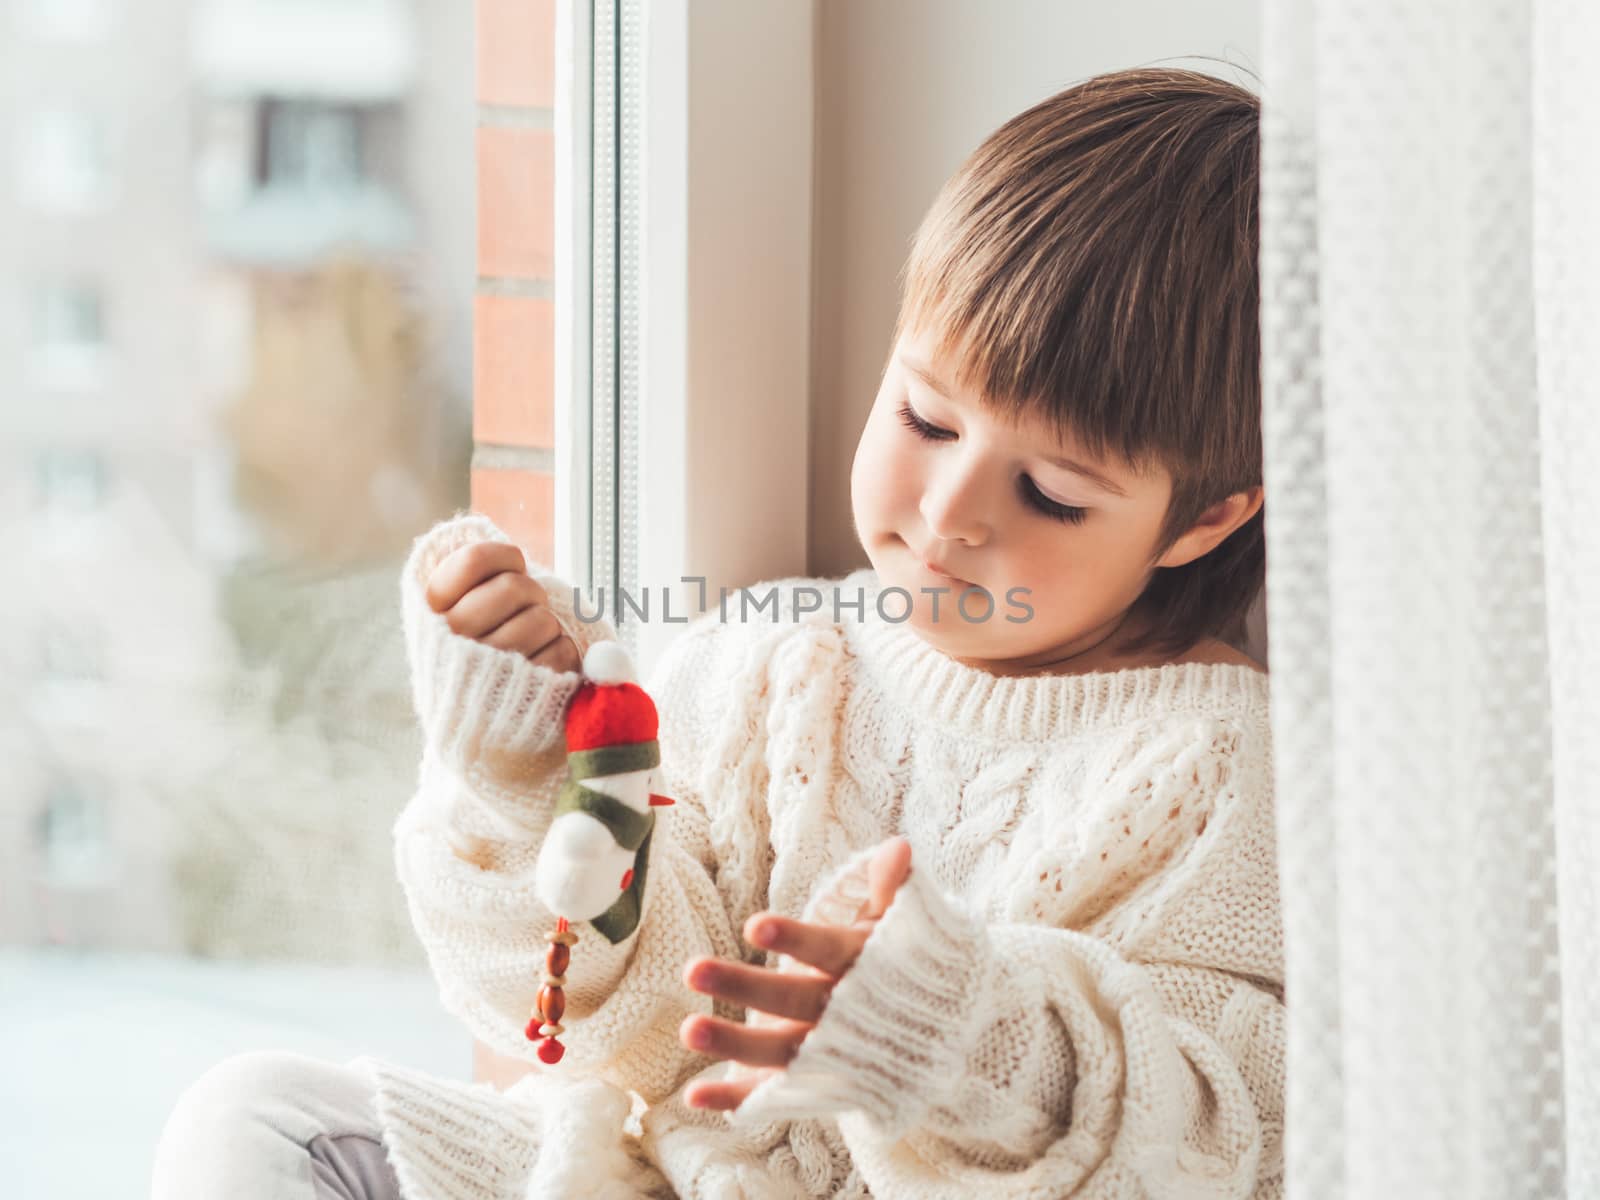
493 763
489 713
1017 1059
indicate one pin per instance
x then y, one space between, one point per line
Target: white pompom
608 662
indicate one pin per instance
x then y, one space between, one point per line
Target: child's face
976 504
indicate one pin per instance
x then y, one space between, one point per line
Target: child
1017 873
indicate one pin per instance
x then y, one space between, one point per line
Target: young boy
1017 873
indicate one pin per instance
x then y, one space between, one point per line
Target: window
70 315
71 655
72 835
210 721
71 482
65 20
225 153
65 164
287 183
309 145
69 334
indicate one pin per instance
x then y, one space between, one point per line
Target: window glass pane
225 152
312 146
65 166
74 840
70 315
71 654
64 19
71 482
236 285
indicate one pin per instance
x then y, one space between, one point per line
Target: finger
781 993
527 632
754 1046
888 870
560 653
724 1094
829 948
466 567
537 633
490 605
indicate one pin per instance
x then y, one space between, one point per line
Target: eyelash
1031 495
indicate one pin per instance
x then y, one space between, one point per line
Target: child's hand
796 996
486 594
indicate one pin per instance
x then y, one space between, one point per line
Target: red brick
516 52
513 371
523 503
516 202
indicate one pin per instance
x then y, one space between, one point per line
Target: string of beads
544 1026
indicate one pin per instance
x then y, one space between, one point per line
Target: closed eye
1031 495
928 433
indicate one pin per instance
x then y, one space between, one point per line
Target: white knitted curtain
1431 325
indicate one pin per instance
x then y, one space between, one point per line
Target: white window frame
697 302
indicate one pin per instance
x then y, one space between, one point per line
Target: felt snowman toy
591 866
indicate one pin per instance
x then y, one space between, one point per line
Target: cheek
1046 566
1071 564
883 473
1087 568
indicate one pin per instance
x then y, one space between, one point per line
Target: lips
933 569
946 574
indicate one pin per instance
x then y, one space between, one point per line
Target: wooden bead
552 1003
549 1030
556 959
559 981
564 937
550 1051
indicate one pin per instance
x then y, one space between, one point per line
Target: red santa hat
611 722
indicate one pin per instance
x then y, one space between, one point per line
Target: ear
1214 525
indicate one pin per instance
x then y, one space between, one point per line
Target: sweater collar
931 686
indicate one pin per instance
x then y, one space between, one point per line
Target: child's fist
486 594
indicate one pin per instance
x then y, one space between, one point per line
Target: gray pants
275 1126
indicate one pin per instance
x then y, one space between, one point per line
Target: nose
656 783
952 504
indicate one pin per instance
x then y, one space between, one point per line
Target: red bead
627 878
532 1031
556 959
550 1051
552 1003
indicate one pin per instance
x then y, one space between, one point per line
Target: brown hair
1093 262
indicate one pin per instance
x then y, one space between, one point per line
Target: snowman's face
631 787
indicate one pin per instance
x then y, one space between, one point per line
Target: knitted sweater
1078 991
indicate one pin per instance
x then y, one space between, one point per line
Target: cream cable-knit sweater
1077 992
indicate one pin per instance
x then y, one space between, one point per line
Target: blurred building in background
235 248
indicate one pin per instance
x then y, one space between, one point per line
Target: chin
950 632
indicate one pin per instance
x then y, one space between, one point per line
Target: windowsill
149 1025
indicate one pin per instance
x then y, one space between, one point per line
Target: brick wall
513 318
513 328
